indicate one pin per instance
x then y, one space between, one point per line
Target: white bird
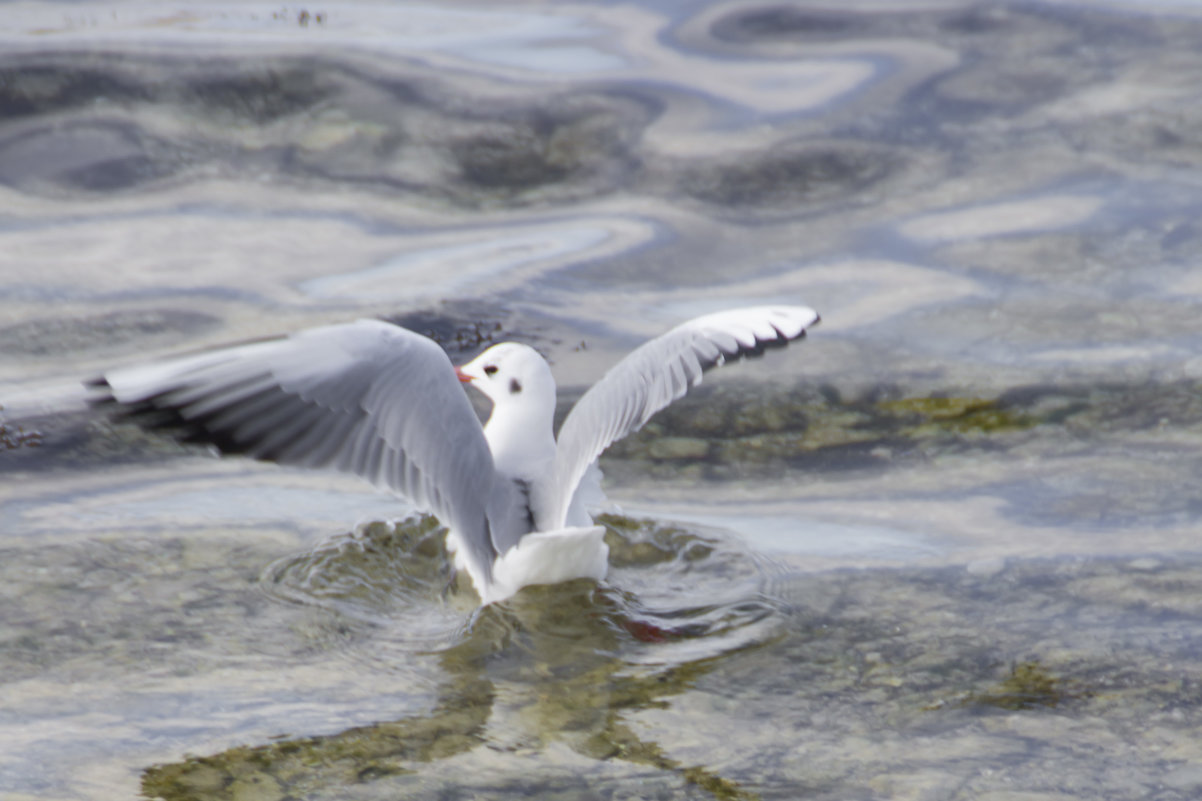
382 402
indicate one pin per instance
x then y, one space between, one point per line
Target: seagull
385 403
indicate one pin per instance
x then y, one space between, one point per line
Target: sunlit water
947 548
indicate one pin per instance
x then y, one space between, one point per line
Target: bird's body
380 401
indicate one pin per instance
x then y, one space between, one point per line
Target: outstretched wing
367 398
656 374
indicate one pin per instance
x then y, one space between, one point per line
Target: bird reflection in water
565 664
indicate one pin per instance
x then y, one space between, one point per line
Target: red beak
462 376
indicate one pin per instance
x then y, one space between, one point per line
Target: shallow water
948 547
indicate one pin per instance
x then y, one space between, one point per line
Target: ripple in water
388 586
674 595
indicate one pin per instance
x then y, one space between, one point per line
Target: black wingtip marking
101 393
761 346
159 414
224 426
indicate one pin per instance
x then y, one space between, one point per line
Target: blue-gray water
946 548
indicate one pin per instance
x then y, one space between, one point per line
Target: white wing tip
799 315
755 324
798 318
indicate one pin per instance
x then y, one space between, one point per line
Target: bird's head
511 374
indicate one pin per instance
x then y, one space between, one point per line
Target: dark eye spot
514 387
489 369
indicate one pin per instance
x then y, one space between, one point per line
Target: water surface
945 548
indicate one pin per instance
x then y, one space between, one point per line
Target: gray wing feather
657 373
367 398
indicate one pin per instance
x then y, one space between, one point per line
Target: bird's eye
490 369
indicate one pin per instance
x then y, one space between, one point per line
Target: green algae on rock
804 427
1029 685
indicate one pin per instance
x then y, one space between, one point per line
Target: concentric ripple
387 585
387 591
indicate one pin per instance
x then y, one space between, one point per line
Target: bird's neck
521 439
